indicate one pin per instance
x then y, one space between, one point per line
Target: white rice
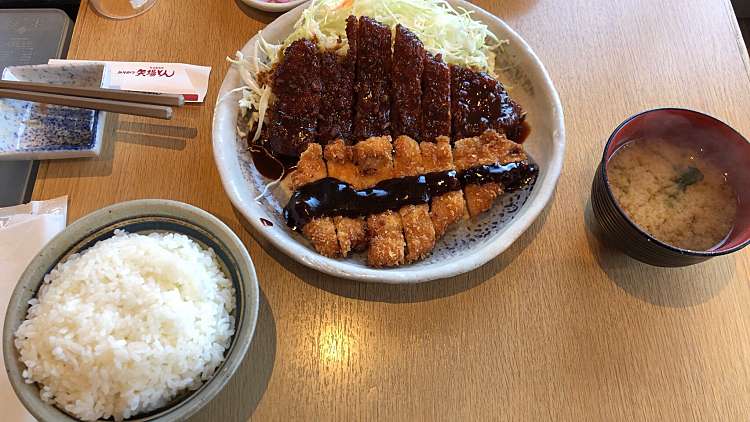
127 325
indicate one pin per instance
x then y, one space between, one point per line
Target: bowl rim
248 299
227 163
610 195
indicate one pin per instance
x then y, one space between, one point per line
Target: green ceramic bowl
142 216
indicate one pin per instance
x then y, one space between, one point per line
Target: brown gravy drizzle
523 132
265 163
270 165
331 197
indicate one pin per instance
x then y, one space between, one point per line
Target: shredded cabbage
255 98
442 29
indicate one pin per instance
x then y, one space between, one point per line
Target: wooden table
558 327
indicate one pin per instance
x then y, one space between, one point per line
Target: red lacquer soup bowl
729 150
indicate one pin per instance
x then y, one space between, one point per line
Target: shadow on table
258 15
240 397
670 287
156 135
117 130
403 293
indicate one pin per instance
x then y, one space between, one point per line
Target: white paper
165 78
24 230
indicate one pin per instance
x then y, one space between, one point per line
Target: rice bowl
126 326
144 217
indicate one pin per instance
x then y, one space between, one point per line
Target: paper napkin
166 78
24 230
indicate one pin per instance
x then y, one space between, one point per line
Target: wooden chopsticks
112 100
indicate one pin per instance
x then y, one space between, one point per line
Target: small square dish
35 131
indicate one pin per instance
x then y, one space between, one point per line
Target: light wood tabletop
557 327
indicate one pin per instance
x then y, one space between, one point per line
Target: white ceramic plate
468 245
273 7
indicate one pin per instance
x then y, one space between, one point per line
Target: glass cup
122 9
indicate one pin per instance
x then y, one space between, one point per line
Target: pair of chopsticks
112 100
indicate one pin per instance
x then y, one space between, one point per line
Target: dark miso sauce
523 132
331 197
270 165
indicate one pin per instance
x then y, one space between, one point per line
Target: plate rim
273 7
405 274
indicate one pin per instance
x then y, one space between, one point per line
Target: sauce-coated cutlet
338 74
436 99
479 102
408 64
397 198
373 109
297 87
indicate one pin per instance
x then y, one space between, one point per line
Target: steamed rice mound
127 326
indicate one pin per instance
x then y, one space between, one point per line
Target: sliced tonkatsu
337 74
394 145
419 231
436 99
337 98
489 148
374 159
408 64
321 230
380 84
479 102
352 37
297 87
373 88
450 207
396 198
350 231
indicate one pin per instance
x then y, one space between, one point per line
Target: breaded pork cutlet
489 148
296 84
337 98
337 74
352 38
408 64
418 229
351 232
374 159
448 208
373 108
436 98
320 231
480 102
